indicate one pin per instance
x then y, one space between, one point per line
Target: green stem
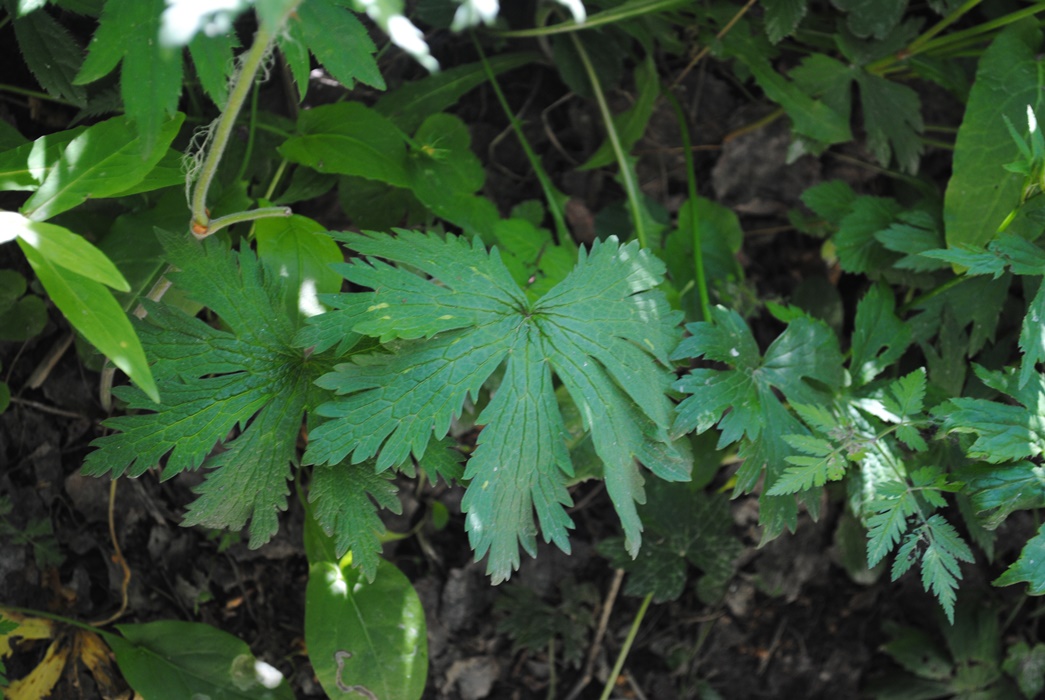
691 187
929 34
551 194
932 293
244 81
610 16
221 222
631 188
632 633
15 90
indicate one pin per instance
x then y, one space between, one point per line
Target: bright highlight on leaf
604 331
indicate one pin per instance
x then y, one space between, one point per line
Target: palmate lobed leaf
212 381
604 331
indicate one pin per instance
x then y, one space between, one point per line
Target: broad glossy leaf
26 166
349 139
92 310
190 659
100 162
63 248
980 194
365 638
602 330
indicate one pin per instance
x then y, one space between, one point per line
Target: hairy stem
244 81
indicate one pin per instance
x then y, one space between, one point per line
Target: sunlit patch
336 581
308 299
267 675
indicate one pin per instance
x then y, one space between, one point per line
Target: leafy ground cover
709 332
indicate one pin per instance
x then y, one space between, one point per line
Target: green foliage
743 403
968 662
607 342
683 526
158 657
539 626
213 381
980 195
365 638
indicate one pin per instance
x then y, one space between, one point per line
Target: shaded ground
793 623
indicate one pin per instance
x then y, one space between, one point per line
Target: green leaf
980 194
914 233
299 251
349 139
879 337
997 491
92 310
1029 567
366 639
1027 665
734 399
100 162
21 317
893 119
534 624
826 464
783 17
51 54
603 330
940 569
743 400
214 380
1007 251
150 81
191 659
342 495
212 58
831 200
409 105
1032 337
892 506
1003 431
809 117
444 173
339 41
858 249
63 248
24 167
684 527
631 123
872 18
